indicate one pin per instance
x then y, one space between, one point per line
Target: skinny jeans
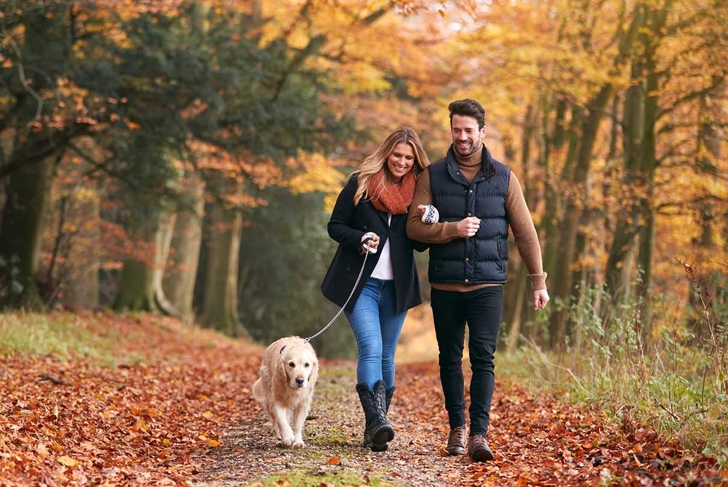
377 327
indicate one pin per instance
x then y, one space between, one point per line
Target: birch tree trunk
220 302
181 271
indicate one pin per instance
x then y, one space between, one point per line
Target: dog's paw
298 443
287 440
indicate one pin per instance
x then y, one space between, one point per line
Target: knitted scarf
391 198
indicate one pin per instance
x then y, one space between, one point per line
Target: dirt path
184 416
333 436
537 441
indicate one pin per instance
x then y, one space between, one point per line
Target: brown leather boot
478 449
456 440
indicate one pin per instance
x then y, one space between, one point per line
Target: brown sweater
519 219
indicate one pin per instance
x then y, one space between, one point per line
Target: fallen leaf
67 461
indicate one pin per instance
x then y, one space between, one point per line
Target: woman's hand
370 243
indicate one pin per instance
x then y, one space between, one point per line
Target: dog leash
358 278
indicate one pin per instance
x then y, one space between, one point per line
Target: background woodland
183 156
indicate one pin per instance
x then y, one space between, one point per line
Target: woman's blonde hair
378 159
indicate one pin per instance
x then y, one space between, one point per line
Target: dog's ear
281 365
314 372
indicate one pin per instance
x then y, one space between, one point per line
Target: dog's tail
258 393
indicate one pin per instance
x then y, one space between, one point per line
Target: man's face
466 136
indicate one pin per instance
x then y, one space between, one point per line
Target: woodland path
171 405
537 441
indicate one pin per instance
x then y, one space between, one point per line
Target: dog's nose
299 381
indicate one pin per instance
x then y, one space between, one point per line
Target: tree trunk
515 294
641 114
136 291
81 285
709 151
181 271
136 287
516 318
23 223
163 241
628 218
220 303
576 203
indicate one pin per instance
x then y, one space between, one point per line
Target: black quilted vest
482 258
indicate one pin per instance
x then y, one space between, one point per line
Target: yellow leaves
67 461
209 441
141 425
318 175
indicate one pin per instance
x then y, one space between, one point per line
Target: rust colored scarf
388 197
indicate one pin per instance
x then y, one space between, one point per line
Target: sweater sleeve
524 233
434 233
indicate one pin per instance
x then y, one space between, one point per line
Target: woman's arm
341 223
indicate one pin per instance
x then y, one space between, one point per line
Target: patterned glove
431 215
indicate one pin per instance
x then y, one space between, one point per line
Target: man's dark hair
469 108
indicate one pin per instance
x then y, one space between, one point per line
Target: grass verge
670 383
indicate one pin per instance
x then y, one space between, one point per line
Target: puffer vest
482 258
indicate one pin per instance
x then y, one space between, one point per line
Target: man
478 199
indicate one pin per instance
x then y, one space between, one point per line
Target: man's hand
540 298
468 226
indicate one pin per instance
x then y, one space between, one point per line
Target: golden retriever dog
285 388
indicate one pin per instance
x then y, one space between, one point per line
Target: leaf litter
184 415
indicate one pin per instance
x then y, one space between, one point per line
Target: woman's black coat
347 226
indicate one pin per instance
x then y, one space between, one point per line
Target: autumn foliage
137 419
155 407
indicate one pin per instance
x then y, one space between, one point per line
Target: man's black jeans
481 310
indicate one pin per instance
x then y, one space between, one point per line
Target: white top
383 269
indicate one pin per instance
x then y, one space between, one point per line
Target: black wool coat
347 226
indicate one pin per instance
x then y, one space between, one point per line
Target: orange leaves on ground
538 440
77 421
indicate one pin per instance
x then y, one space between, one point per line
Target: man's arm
433 233
524 232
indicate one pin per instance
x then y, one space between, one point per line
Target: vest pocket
499 246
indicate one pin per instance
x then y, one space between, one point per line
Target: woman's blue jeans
377 327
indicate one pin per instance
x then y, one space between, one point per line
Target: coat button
471 191
467 280
467 259
470 214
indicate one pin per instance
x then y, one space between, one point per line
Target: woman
371 216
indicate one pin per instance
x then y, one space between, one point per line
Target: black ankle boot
388 397
377 431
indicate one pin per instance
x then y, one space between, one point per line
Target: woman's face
400 161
